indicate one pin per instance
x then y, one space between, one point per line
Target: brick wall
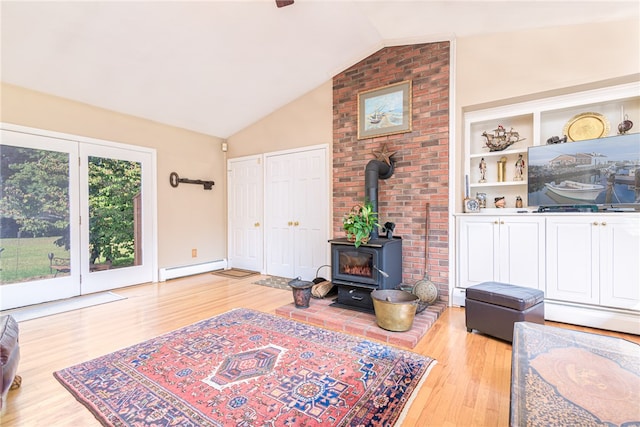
422 160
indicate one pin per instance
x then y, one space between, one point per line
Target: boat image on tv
576 190
600 171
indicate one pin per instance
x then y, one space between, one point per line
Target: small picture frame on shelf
471 205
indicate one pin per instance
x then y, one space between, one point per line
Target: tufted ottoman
492 308
9 356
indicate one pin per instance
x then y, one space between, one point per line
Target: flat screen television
603 172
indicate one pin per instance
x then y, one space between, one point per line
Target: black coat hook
174 180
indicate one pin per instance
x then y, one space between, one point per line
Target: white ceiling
216 67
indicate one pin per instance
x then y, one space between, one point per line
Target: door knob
290 223
257 224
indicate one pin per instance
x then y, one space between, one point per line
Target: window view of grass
27 259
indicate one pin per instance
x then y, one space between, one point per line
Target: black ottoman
492 308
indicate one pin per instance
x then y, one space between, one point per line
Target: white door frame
152 190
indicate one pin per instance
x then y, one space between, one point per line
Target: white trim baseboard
611 319
189 270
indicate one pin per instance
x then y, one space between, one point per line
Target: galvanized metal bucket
395 309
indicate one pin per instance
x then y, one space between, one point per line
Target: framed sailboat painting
385 110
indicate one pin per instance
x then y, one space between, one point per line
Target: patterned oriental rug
561 377
248 368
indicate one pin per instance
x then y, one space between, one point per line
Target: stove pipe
375 170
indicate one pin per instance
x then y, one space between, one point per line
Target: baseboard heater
189 270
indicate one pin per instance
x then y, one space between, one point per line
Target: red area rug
249 368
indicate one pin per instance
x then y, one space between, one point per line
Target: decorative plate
587 126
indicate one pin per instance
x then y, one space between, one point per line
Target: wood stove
359 271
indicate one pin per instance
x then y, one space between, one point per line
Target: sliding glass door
116 191
77 217
39 237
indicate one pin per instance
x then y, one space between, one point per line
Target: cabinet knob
495 222
290 223
296 223
595 222
604 223
257 224
501 222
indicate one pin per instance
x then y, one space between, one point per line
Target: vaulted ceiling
216 67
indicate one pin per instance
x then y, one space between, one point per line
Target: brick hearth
320 313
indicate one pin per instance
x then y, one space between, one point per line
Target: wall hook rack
174 180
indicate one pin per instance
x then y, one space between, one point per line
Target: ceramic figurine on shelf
518 202
482 199
625 126
483 170
500 202
519 168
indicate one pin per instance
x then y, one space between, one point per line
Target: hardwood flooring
469 386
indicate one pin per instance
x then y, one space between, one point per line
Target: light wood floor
469 385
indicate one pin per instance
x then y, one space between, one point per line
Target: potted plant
359 223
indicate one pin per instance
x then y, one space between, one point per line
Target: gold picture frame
385 110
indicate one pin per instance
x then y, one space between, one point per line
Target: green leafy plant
359 223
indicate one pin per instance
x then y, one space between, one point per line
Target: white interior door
279 220
116 193
246 225
311 209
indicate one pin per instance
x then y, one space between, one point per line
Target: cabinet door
619 266
572 259
522 249
477 250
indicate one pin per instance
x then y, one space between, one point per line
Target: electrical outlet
194 253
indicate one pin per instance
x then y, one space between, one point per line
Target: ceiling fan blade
283 3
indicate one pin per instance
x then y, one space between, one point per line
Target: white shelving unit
585 263
536 121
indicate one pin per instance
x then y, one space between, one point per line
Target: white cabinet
593 259
587 264
507 249
535 121
296 213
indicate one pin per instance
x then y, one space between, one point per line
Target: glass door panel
115 188
39 238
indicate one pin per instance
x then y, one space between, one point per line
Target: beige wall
188 216
305 121
503 66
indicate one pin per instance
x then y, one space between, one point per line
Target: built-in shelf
536 122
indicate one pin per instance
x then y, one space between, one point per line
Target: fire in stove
356 264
